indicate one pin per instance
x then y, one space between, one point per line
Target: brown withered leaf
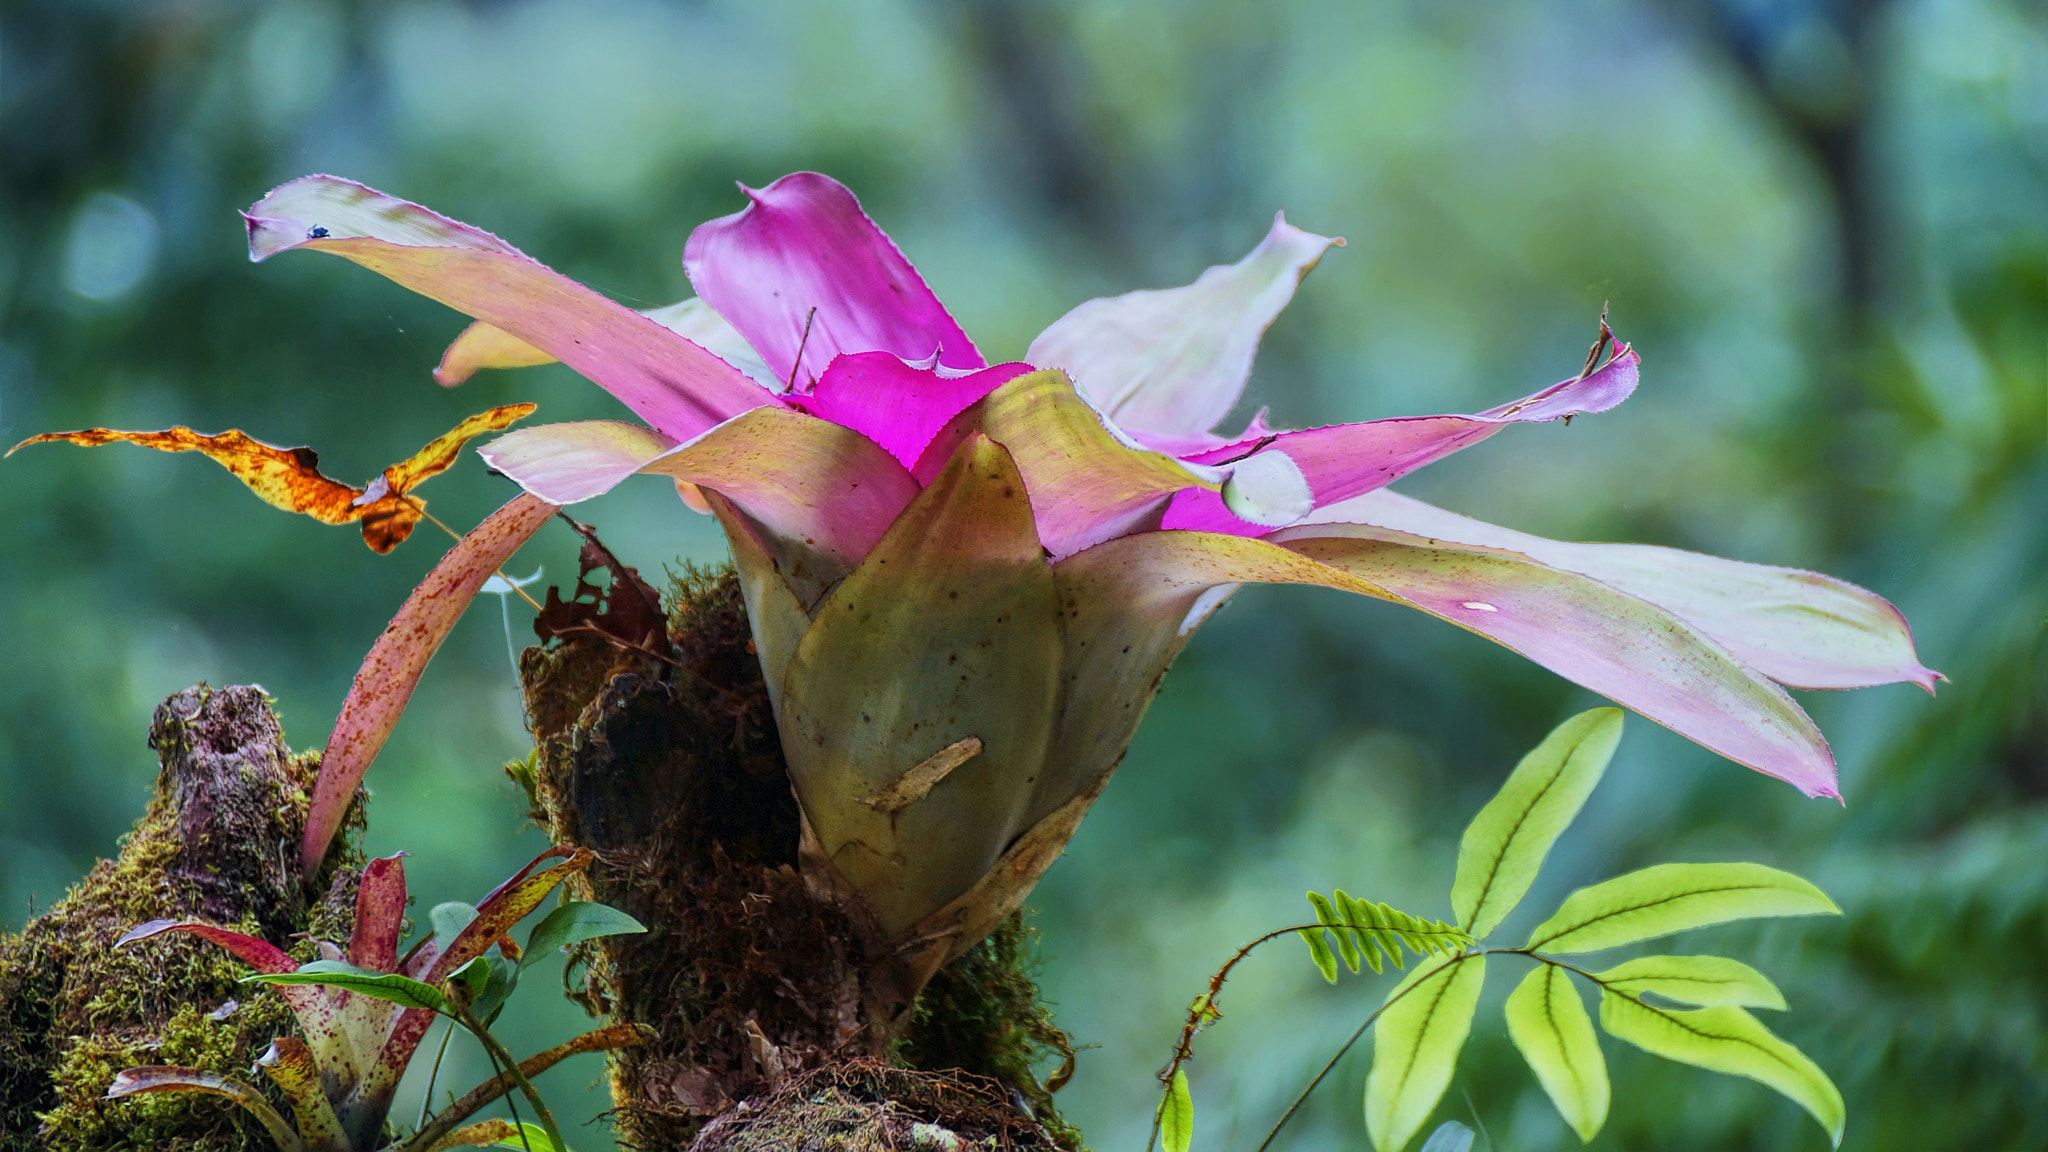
628 611
290 478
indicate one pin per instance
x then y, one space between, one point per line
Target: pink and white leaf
481 346
666 380
1799 628
1167 365
1344 460
897 404
802 253
1087 481
1623 647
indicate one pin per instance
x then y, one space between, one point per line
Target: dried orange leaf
290 478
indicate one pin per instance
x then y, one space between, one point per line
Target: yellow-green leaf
1177 1115
1505 844
1708 981
1672 898
1548 1023
1347 946
1726 1039
1415 1046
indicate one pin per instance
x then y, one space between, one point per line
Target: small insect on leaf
1177 1115
290 478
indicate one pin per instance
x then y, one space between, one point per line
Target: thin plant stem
1360 1032
526 1088
1356 1034
453 534
434 1077
510 1103
1205 1009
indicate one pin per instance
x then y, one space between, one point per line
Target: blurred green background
1822 223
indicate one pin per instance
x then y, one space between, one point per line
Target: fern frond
1375 934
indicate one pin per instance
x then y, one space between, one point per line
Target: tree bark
782 1016
779 1010
215 844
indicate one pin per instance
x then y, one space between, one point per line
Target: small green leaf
1730 1040
450 919
1359 914
1708 981
1415 1046
474 976
1177 1115
1548 1023
377 985
1319 948
573 923
1327 913
504 978
1672 898
535 1138
1505 844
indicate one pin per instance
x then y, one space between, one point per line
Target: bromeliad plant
1423 1022
966 581
363 1011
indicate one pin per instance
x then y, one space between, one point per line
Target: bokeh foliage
1820 220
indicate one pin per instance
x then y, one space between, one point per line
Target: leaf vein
1608 915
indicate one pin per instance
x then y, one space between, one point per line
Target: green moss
982 1013
215 844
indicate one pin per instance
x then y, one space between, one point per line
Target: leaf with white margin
1728 1040
1550 1027
1799 628
1668 898
1415 1046
666 380
1705 981
1504 846
1174 361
